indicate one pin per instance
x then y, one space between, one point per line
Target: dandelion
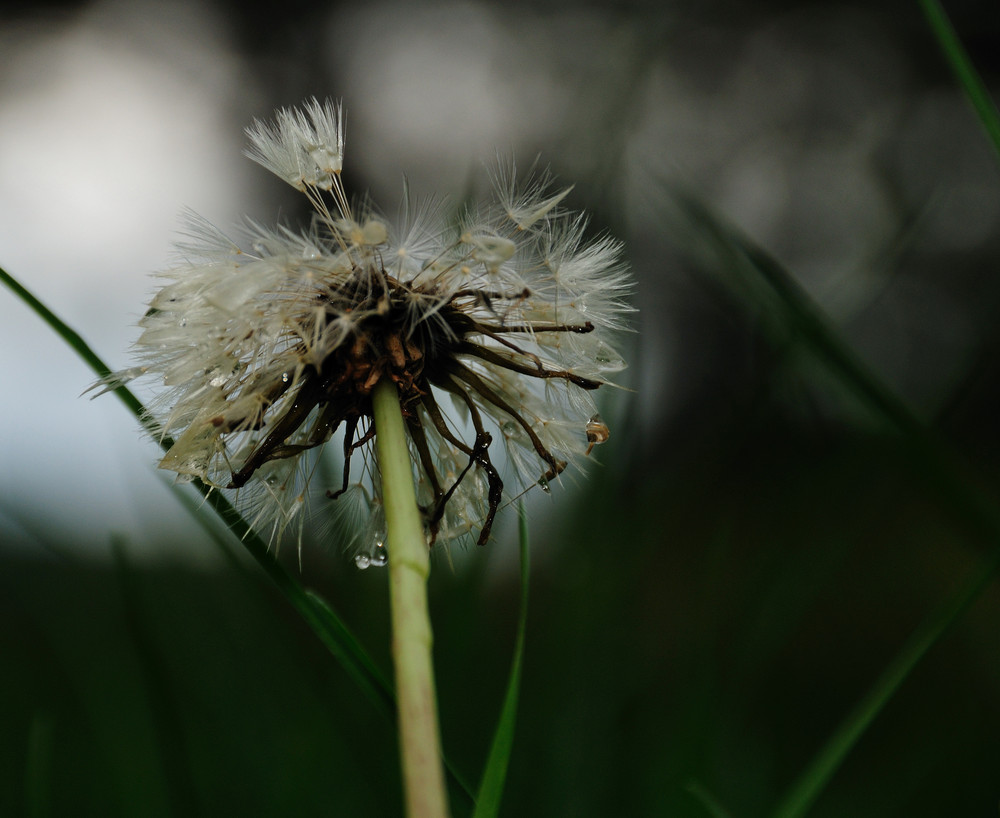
494 329
430 345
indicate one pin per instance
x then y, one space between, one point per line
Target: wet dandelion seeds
496 328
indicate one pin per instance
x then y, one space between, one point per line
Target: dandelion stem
409 566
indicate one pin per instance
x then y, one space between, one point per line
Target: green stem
409 567
958 59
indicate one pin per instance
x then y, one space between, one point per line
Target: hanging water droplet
362 561
597 432
607 359
508 428
285 377
491 250
544 483
380 557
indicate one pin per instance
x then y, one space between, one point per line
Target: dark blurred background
759 539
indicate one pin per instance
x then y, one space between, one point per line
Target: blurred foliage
714 643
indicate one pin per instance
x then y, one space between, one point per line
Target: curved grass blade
73 339
214 532
800 320
706 800
495 773
804 792
967 76
325 623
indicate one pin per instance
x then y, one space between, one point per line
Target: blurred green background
759 538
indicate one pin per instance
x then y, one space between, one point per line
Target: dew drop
597 432
285 377
508 428
362 561
492 250
545 486
607 359
380 557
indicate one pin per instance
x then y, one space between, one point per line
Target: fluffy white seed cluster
494 328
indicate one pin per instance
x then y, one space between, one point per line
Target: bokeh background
758 540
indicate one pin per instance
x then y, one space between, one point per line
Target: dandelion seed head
496 331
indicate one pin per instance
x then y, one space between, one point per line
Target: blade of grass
807 788
325 623
343 644
73 339
966 74
495 772
801 319
215 534
784 302
786 305
707 801
338 639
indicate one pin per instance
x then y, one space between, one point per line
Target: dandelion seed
495 333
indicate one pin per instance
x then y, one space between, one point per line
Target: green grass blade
707 801
783 302
73 339
325 623
214 532
329 627
495 773
972 84
797 319
348 650
807 788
